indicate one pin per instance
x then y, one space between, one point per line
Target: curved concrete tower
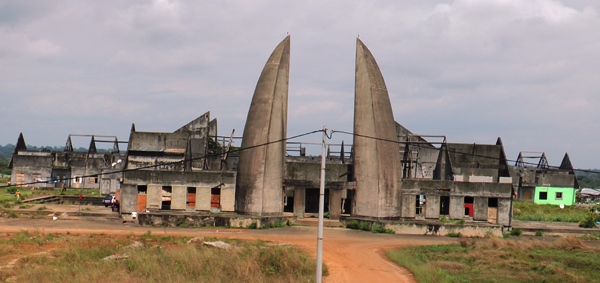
261 167
376 161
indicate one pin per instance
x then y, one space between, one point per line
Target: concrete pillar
227 198
154 198
128 198
299 202
457 207
503 211
335 204
179 198
480 207
432 207
203 198
409 206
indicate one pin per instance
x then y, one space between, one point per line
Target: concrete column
409 206
432 207
128 199
299 202
335 204
179 198
203 198
457 207
503 211
480 207
154 198
227 198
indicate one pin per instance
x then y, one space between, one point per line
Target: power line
176 162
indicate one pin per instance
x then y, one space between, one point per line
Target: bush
539 233
379 228
453 235
365 226
516 232
11 190
589 221
352 224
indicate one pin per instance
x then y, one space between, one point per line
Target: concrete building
182 170
67 168
535 180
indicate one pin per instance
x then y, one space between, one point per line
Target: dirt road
351 256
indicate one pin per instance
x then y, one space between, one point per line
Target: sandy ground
351 256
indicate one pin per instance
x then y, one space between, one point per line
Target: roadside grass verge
529 211
147 258
501 260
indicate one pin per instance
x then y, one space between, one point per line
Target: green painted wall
553 195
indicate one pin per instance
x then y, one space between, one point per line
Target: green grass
529 211
502 260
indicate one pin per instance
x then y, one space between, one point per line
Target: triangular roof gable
566 163
92 147
69 145
21 146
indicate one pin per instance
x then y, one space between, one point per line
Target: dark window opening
288 204
543 195
142 189
559 196
347 203
492 202
312 201
444 205
167 191
420 204
469 206
191 190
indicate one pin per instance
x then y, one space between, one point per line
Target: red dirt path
351 256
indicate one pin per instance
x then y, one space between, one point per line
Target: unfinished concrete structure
376 166
177 171
68 168
259 189
532 176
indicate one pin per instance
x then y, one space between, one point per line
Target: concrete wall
228 198
179 198
432 207
504 212
408 205
457 207
203 198
154 198
480 207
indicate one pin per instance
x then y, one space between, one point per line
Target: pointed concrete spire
21 146
92 147
566 163
376 156
69 145
132 127
261 165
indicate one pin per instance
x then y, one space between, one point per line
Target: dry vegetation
39 257
502 260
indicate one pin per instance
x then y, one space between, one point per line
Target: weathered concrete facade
262 159
532 170
376 160
67 168
177 171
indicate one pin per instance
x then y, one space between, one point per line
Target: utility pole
319 278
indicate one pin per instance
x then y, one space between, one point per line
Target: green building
554 195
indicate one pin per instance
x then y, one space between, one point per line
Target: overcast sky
525 71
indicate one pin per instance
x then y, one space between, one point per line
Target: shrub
539 233
516 232
453 234
365 226
11 190
379 228
352 224
253 225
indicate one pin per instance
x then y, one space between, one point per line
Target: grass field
502 260
529 211
39 257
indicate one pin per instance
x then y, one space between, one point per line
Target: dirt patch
351 256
